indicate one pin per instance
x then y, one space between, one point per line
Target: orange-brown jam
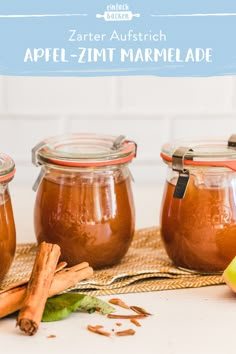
90 219
7 234
199 231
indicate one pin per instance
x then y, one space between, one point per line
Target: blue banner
92 38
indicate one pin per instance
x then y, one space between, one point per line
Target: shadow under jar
198 214
7 224
84 201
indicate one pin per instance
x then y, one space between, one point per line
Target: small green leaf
60 306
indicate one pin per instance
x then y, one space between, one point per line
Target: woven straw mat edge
145 267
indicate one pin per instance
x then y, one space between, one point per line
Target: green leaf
60 306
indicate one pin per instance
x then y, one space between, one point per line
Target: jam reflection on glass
91 217
199 231
7 232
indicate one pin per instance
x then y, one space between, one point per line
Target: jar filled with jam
198 214
7 224
84 200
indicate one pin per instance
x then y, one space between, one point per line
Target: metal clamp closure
232 141
35 149
178 166
35 162
178 158
119 141
39 179
135 148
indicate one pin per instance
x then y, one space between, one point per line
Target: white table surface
184 321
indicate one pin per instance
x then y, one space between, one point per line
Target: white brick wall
59 96
149 110
172 96
3 81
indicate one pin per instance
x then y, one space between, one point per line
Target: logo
118 12
215 215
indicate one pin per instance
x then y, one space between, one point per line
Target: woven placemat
146 267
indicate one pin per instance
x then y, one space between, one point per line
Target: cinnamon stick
38 287
118 302
69 277
126 317
98 330
140 310
12 300
17 284
135 322
126 332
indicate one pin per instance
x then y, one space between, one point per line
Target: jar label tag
232 141
181 185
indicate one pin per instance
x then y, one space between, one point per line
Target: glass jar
7 224
84 201
198 214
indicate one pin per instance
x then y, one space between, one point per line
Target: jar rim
7 167
216 153
84 149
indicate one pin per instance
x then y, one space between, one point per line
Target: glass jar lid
215 153
84 150
7 167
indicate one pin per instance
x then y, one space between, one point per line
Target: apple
229 275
